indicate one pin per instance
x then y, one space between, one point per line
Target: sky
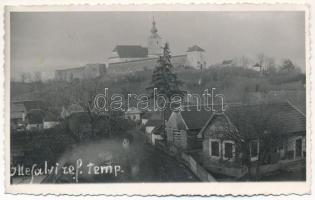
46 41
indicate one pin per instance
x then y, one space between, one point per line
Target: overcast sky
48 41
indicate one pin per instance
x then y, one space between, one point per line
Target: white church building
130 58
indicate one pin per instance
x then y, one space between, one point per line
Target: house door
298 148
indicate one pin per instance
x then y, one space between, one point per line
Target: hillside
236 84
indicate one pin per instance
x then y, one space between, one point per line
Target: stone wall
142 65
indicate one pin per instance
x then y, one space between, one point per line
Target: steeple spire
154 29
154 41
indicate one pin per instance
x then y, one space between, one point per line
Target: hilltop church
131 58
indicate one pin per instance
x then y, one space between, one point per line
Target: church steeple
154 29
154 42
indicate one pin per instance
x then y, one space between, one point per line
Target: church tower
154 42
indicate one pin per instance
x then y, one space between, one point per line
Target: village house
19 110
154 115
182 128
34 120
152 122
150 128
133 114
262 138
145 118
50 121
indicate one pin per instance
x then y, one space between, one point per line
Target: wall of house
133 116
49 124
290 147
148 133
177 138
34 127
155 137
180 139
193 143
144 121
217 131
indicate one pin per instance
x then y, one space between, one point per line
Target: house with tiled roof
150 130
19 110
154 115
134 114
260 138
50 120
153 125
34 120
182 127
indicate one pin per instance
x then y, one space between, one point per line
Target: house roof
75 108
176 121
158 130
83 117
154 122
192 117
282 115
17 110
35 116
195 48
131 51
156 115
196 119
49 117
133 110
19 107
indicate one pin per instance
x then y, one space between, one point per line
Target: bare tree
261 61
23 77
244 61
270 65
37 77
258 123
85 93
287 66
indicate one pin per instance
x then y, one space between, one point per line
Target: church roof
195 48
131 51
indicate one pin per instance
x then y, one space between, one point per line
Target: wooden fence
188 160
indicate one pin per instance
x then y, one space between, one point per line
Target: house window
214 148
254 150
228 150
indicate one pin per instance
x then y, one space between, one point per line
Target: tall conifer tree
164 78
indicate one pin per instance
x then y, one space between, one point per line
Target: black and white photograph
157 96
